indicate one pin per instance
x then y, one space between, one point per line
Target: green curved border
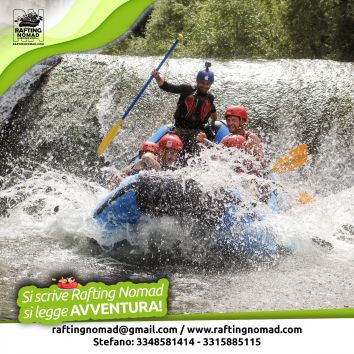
116 24
266 315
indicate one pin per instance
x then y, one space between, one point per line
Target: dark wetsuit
192 114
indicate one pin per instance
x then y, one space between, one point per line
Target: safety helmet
149 146
171 141
236 141
206 74
238 111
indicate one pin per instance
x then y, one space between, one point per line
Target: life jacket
193 111
198 106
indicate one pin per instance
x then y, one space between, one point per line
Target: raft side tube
120 206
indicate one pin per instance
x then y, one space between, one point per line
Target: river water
51 180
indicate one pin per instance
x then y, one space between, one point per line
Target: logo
67 283
28 28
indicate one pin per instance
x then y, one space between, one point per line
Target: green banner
94 301
86 25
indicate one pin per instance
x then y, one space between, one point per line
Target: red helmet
149 146
236 141
237 111
171 141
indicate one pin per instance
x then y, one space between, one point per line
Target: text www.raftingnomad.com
152 329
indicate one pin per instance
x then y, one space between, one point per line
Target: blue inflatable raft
232 230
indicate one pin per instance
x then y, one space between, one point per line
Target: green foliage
321 28
343 36
307 27
236 29
247 29
166 20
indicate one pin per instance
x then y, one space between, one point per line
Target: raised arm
157 77
180 89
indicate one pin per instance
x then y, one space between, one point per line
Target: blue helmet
206 75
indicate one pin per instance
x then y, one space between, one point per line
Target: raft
231 229
67 286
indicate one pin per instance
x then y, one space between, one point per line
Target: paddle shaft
113 131
149 80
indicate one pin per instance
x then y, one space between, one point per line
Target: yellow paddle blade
109 137
304 198
292 160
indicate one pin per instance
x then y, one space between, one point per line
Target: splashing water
51 180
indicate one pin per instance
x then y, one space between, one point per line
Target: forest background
236 29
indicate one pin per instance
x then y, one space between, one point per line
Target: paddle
292 160
289 162
116 127
304 198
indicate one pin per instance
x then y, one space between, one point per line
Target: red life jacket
193 111
197 105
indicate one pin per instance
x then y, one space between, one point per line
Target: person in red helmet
236 141
164 155
194 107
236 118
250 143
148 146
239 142
148 160
171 147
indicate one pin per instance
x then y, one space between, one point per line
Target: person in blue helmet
194 107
